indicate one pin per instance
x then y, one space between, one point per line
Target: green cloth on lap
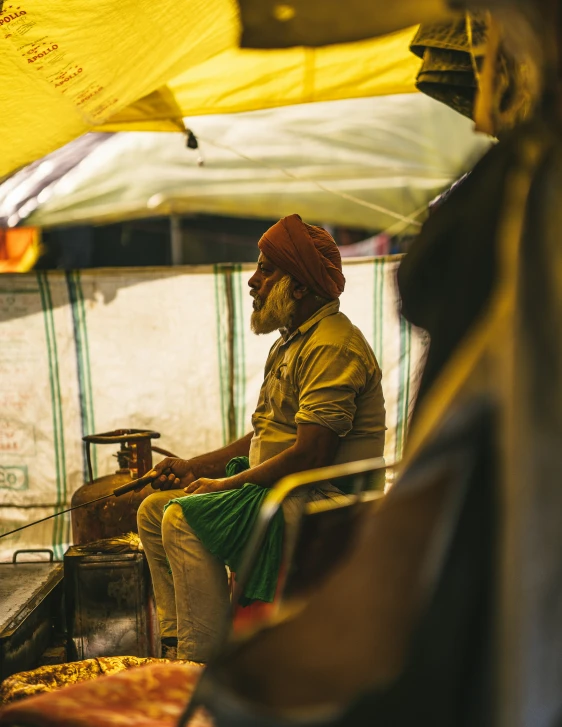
237 465
224 521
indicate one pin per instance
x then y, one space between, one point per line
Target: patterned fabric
50 678
152 696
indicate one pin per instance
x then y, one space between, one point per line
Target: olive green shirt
324 373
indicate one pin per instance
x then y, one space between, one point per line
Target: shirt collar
327 310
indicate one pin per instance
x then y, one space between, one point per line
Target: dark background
204 240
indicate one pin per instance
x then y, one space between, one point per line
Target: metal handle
89 461
34 550
120 435
133 485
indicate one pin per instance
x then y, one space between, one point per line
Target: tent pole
176 246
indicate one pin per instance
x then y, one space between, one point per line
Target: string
404 220
56 514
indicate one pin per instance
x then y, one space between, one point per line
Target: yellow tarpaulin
246 80
67 67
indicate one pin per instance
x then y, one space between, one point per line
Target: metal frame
286 487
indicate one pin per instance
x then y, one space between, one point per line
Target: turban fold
306 252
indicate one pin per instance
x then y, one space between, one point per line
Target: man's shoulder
339 332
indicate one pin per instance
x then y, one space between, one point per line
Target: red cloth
147 696
306 252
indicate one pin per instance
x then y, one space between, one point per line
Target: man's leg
149 520
201 588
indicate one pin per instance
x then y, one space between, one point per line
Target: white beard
278 310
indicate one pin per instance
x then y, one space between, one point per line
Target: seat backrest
326 532
353 477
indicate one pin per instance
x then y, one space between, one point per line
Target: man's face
272 291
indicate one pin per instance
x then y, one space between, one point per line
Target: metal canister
114 516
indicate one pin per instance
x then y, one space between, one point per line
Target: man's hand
204 484
171 474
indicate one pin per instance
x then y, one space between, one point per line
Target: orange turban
306 252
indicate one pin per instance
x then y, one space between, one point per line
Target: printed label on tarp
48 56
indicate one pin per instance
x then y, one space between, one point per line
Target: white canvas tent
371 162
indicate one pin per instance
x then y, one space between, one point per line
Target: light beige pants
193 601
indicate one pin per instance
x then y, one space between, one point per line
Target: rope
404 221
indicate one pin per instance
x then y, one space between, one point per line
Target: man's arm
172 473
315 446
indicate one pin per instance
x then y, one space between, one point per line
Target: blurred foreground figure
448 610
321 402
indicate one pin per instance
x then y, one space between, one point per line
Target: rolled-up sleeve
330 377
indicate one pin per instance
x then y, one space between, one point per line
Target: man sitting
321 403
